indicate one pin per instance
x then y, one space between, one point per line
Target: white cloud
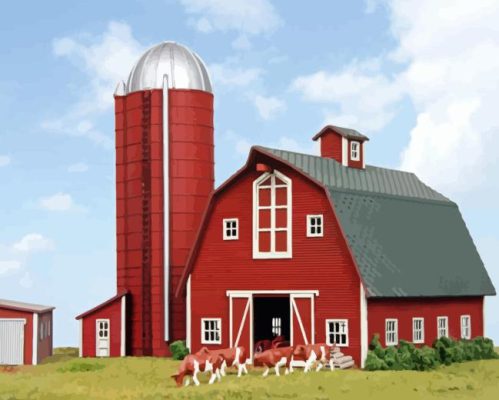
10 266
269 107
78 167
33 242
57 202
249 17
230 75
26 281
104 60
4 160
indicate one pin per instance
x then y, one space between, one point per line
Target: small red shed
25 332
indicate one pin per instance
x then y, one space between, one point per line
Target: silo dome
184 68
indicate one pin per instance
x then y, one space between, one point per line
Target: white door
12 341
102 330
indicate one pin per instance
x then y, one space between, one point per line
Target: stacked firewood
341 360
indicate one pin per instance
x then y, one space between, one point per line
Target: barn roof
407 239
345 132
20 306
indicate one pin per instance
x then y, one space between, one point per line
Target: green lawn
66 377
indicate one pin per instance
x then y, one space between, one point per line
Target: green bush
179 350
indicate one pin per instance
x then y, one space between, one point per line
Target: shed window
337 332
355 151
231 229
272 216
211 330
442 327
276 326
465 327
391 332
315 226
418 330
42 327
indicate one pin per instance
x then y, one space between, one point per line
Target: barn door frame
248 313
293 310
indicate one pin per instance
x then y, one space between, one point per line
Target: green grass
65 377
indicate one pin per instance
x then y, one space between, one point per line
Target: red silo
164 161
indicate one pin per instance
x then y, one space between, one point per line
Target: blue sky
421 79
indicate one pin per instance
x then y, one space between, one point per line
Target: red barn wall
322 264
331 144
112 312
430 308
28 331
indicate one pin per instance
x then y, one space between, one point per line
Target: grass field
65 377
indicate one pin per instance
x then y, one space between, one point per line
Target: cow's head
203 351
299 350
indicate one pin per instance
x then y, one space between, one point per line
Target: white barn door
12 341
102 331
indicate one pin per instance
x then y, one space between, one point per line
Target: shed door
102 337
241 322
12 341
302 330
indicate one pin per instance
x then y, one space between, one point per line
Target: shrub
179 350
374 363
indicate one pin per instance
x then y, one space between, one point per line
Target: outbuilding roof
20 306
345 132
407 239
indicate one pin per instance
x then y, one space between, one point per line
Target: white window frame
328 332
257 254
395 332
225 228
318 217
440 329
277 326
353 144
203 331
464 328
415 331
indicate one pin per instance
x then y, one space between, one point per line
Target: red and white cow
276 358
192 364
233 357
320 352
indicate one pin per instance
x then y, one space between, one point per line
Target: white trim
483 316
320 219
395 331
328 332
257 254
468 336
291 330
251 328
123 327
344 151
80 350
352 143
446 319
188 321
414 340
298 317
363 156
295 293
243 321
34 356
97 321
225 228
219 329
364 332
312 317
166 207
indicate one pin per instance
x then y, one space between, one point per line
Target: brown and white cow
193 364
276 358
232 356
319 352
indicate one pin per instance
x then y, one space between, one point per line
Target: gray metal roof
346 132
18 305
407 239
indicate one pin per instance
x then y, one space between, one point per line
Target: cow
192 364
232 357
320 352
276 358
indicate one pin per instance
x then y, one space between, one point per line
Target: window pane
281 218
279 182
281 196
281 238
264 219
264 198
264 241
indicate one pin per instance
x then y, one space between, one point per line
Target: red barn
25 332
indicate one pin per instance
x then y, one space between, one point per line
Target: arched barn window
272 216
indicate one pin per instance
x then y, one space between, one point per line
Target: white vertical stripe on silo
166 205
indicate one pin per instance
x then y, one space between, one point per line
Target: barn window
231 229
418 330
42 326
337 332
276 326
355 151
315 226
211 330
391 332
272 216
465 327
442 327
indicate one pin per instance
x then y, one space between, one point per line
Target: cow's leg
266 372
331 364
222 368
239 369
310 361
187 381
244 367
319 366
291 365
279 364
219 375
195 373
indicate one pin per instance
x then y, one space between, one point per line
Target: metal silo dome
184 68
